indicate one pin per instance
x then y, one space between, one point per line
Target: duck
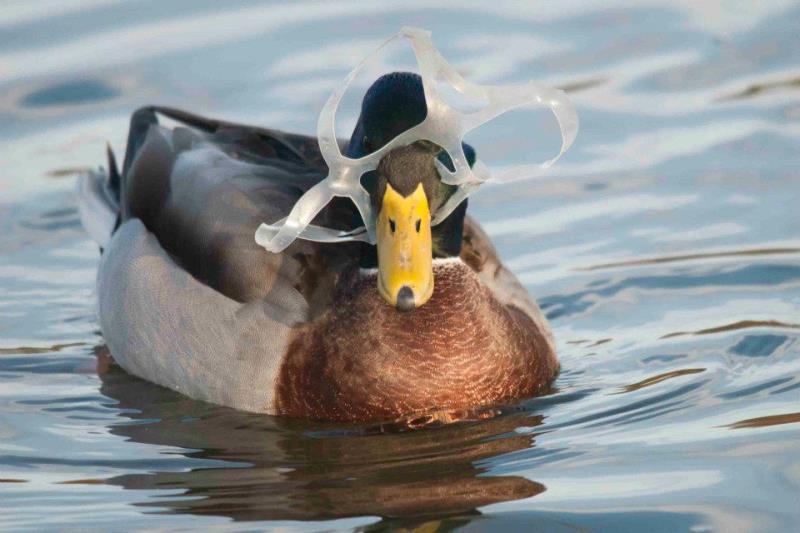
427 320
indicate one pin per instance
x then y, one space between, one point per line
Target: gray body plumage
211 319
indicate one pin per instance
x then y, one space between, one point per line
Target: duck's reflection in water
291 470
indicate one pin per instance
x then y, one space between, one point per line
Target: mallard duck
427 320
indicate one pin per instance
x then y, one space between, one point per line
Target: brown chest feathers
365 361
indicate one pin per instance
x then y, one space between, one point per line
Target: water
664 248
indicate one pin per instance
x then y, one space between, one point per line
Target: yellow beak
405 257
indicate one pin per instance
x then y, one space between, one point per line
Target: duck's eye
419 224
366 144
391 225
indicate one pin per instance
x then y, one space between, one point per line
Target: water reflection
755 276
277 469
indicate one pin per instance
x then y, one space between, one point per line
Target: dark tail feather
114 180
141 120
114 184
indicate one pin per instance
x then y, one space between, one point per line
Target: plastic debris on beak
443 125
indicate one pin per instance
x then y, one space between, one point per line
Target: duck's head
406 192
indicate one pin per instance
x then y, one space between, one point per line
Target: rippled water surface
664 248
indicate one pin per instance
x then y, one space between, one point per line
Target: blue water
664 248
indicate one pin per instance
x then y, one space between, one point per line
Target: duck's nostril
405 299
